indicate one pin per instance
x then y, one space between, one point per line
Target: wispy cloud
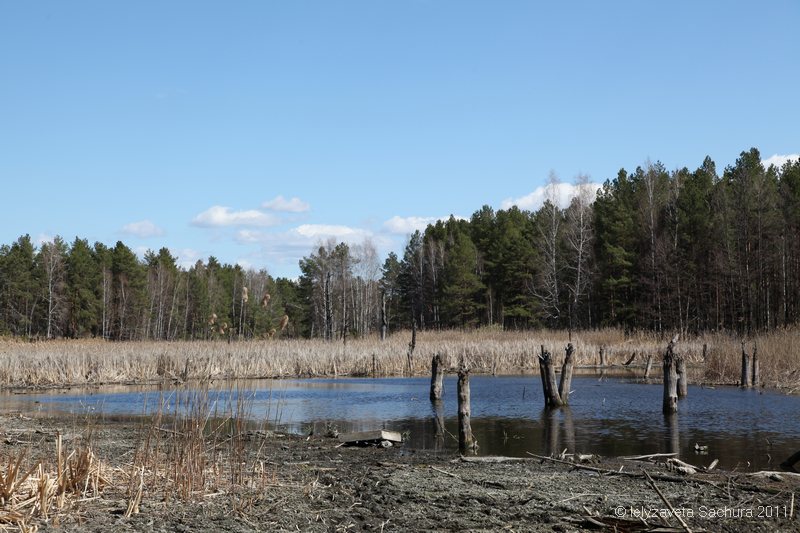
186 257
143 229
220 216
779 160
563 193
288 247
43 238
293 205
404 225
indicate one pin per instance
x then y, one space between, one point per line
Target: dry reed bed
70 362
190 448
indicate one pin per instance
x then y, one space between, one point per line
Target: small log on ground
670 404
683 378
551 396
437 378
746 382
466 442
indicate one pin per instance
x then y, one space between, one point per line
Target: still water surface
746 430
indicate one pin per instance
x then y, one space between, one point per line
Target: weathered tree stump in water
602 356
466 442
746 382
411 346
565 382
552 398
670 404
648 366
756 370
437 378
683 378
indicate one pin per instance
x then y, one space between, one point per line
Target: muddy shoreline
312 484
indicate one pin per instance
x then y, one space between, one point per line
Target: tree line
682 250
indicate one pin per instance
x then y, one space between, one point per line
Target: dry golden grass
186 450
67 362
32 490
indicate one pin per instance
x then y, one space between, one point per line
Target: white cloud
293 205
406 225
288 247
141 251
779 160
186 257
218 216
563 193
143 229
324 231
43 238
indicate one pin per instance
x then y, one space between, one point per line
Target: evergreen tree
83 291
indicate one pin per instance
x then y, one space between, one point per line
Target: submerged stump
552 398
466 442
648 366
670 403
565 383
745 382
756 377
683 378
437 378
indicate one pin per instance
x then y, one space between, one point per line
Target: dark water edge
612 416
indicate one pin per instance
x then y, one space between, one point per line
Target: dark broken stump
756 377
670 404
466 442
648 366
746 371
683 378
602 356
437 378
565 383
551 396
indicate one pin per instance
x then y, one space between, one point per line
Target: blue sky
251 130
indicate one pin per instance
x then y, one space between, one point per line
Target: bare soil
315 485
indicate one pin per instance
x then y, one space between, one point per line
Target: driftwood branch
666 502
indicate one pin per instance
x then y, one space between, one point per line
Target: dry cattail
265 299
284 322
212 319
245 297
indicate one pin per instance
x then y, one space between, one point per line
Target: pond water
744 429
